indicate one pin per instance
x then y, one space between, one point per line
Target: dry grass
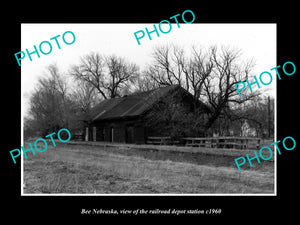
81 169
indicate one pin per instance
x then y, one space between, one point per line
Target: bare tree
259 111
49 103
84 97
91 71
219 87
210 75
197 71
171 66
120 75
107 74
144 83
167 67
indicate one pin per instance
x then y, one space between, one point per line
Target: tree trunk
215 115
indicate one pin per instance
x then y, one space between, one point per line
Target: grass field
88 169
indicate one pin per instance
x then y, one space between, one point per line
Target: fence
212 142
161 141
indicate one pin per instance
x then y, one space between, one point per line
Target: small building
247 130
125 119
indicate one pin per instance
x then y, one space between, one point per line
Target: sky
257 41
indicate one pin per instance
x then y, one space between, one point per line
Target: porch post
86 134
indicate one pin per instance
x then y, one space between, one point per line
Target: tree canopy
209 74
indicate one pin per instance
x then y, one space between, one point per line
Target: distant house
248 131
125 119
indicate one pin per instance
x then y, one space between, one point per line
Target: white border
91 194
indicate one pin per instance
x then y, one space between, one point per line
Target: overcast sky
256 41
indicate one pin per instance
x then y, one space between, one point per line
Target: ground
79 168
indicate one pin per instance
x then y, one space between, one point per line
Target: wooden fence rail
212 142
161 141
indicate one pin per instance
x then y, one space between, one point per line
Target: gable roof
131 105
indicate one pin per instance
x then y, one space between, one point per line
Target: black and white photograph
144 110
129 109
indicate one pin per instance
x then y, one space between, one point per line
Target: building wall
119 131
154 122
139 134
119 134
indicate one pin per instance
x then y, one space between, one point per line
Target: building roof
131 105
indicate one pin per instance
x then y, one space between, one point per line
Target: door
129 134
94 133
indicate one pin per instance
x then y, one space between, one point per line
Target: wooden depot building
124 119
